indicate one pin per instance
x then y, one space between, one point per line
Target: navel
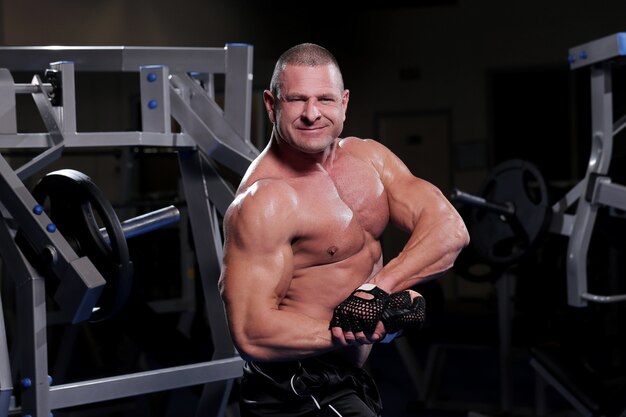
332 250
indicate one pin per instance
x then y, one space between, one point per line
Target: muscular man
302 235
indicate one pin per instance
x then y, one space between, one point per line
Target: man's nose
311 113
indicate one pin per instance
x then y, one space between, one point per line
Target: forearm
427 254
279 335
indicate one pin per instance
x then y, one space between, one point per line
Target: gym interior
141 117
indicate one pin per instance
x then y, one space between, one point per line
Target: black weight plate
504 240
74 204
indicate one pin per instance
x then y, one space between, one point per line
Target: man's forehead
320 76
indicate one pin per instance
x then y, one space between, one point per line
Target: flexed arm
257 271
437 231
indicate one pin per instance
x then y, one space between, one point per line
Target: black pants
314 387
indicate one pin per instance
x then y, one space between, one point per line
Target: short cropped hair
304 54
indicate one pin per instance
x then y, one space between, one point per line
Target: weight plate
75 205
504 240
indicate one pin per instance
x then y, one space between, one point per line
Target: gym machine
512 214
40 249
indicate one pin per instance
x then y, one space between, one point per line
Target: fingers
344 337
339 336
379 332
348 337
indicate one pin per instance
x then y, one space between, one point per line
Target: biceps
255 281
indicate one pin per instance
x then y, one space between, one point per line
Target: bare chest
343 210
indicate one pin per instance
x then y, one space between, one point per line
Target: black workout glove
359 314
402 313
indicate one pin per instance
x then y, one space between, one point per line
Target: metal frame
595 189
174 83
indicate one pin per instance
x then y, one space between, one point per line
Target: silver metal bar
155 99
66 108
5 402
147 222
121 386
210 114
207 140
98 140
207 236
8 118
54 152
569 199
238 89
220 190
608 194
33 88
6 384
604 299
598 50
619 125
31 322
114 58
599 161
562 223
504 209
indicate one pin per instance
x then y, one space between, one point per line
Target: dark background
454 86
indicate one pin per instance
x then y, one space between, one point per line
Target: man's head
304 54
307 101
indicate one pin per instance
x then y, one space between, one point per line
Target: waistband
286 369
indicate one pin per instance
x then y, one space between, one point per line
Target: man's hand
370 313
359 314
404 310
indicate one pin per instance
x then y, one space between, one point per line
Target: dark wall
497 70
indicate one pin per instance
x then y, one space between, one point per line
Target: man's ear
268 99
344 102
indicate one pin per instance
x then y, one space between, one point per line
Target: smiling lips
311 128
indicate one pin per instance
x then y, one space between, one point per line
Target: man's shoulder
365 149
353 142
264 197
363 144
267 187
265 190
266 208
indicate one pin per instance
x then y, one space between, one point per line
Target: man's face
311 107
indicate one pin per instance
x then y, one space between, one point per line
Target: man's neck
302 161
